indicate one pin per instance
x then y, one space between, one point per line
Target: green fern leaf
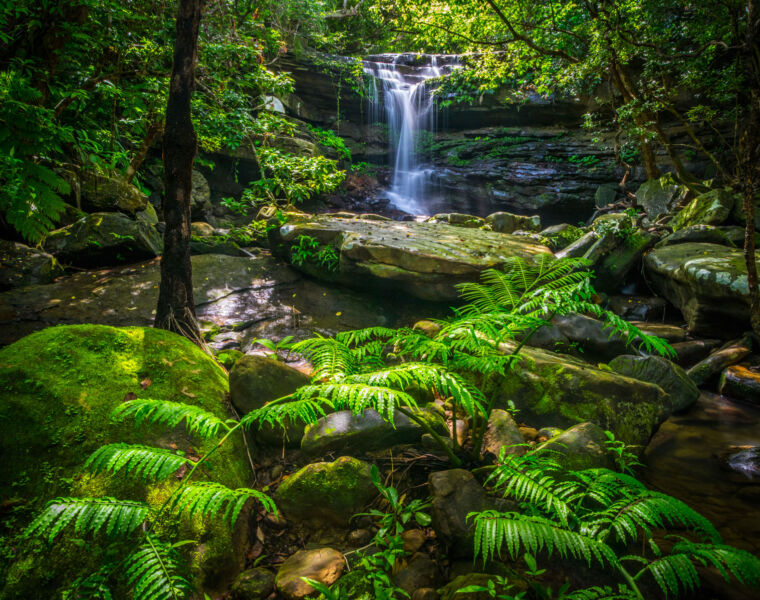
198 422
145 462
208 498
153 571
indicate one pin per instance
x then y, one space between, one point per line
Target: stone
458 219
706 282
549 432
638 308
201 229
501 432
147 215
200 196
60 386
730 354
455 493
596 341
505 222
425 594
253 584
414 539
256 380
425 260
559 390
21 265
344 432
670 333
216 244
605 194
662 372
580 246
741 382
710 208
708 234
420 572
561 236
103 193
102 239
613 268
327 492
659 196
583 446
692 351
320 564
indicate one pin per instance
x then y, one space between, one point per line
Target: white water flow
409 109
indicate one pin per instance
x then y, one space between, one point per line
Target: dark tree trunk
176 309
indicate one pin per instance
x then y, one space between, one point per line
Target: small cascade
409 108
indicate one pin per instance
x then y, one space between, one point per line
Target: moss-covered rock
21 265
710 208
101 192
583 446
253 584
697 233
329 492
505 222
320 564
59 387
658 196
659 371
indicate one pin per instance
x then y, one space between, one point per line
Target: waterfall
409 109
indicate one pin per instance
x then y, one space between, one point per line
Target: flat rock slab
425 260
253 297
707 282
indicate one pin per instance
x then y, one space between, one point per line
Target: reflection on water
692 455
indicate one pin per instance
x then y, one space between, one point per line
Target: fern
137 461
601 593
95 586
152 570
281 413
89 515
208 498
330 358
358 397
198 422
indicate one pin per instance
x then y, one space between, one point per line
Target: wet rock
101 239
746 462
638 308
256 380
549 432
729 354
559 390
322 564
459 220
529 434
692 351
580 246
414 539
103 193
419 573
591 336
670 333
710 208
580 447
253 584
505 222
329 492
696 233
501 432
659 371
455 493
201 229
741 382
707 282
425 260
21 265
605 194
345 432
658 196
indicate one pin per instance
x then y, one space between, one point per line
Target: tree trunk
176 309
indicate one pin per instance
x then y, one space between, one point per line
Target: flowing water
399 90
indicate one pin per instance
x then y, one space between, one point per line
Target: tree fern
198 422
89 516
207 499
514 532
153 571
145 462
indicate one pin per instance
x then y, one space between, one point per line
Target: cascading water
409 109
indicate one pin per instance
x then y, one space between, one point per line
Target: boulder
201 229
707 282
638 308
501 432
559 390
505 222
659 371
583 446
741 382
458 219
148 215
102 239
200 197
708 234
659 196
21 265
256 380
60 386
215 244
605 194
613 267
419 572
692 351
344 432
425 260
320 564
710 208
253 584
730 354
591 336
327 492
104 193
580 246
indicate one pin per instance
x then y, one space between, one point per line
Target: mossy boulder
710 208
59 387
697 233
583 446
659 371
559 390
102 239
253 584
256 380
505 222
658 196
327 492
100 192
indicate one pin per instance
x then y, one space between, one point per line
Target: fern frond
153 571
358 397
198 422
495 531
208 498
89 515
597 487
331 359
601 593
282 413
138 461
95 586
